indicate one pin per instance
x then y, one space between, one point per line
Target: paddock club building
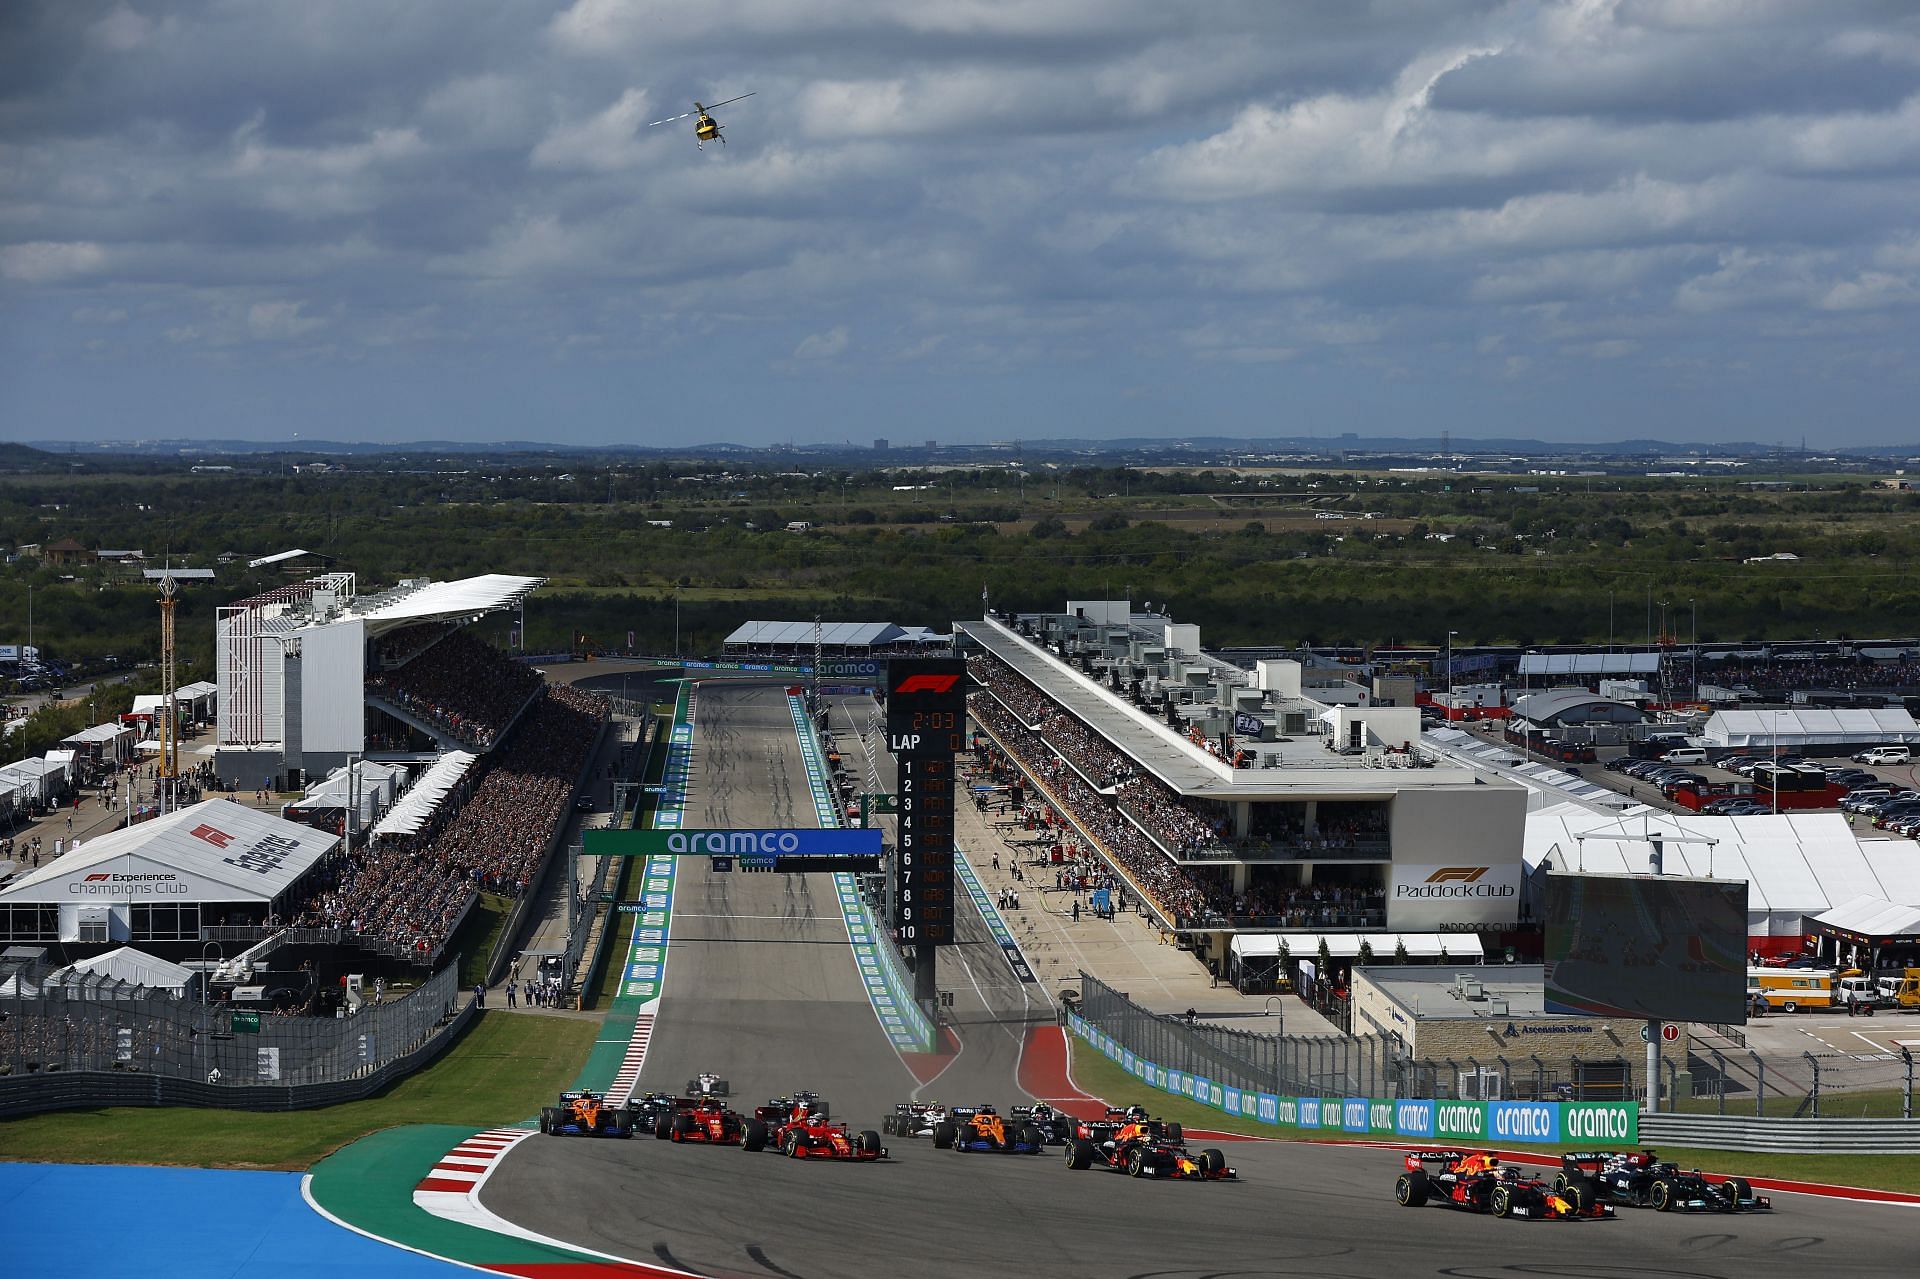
158 884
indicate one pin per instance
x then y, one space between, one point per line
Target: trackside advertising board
1507 1123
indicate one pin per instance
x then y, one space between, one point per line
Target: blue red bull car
1129 1141
1476 1181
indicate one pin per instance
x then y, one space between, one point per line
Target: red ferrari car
704 1119
799 1128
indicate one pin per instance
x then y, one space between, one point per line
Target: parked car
1885 755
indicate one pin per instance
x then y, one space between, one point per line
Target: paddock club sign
1423 898
1580 1123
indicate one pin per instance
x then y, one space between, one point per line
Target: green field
1098 1075
505 1067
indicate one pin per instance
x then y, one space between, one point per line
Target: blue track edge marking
264 1226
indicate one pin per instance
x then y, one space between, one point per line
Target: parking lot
1896 776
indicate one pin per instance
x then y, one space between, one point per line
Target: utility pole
169 710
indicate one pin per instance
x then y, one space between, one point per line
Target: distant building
66 553
880 444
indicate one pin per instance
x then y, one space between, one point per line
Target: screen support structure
926 729
1656 842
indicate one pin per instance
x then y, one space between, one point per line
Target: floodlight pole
1655 861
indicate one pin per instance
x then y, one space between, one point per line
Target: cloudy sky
960 219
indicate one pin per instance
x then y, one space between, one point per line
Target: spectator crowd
1194 897
461 686
412 890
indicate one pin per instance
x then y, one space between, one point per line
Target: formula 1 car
1127 1141
705 1119
709 1085
1475 1181
982 1128
1638 1179
1055 1128
798 1127
648 1111
913 1119
585 1114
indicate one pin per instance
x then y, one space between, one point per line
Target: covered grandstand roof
135 967
1804 725
278 557
215 850
413 809
1590 664
1545 784
832 634
445 601
1796 864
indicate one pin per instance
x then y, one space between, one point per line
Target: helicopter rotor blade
688 115
742 97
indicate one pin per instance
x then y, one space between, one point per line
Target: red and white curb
463 1170
626 1080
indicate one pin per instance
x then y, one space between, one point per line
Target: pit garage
157 884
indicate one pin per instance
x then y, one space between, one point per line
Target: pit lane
763 990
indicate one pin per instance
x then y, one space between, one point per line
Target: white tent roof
1796 727
199 688
218 850
31 770
412 810
1347 945
98 733
1873 917
136 966
146 703
1795 864
278 557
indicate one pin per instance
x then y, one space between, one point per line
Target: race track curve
762 989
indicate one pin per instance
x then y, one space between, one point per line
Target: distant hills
53 453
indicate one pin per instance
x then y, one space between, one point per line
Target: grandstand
1233 803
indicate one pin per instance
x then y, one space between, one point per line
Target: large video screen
1647 946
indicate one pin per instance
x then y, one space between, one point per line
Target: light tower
169 770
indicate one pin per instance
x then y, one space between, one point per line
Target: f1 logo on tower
1456 874
927 684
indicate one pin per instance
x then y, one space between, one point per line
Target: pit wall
1548 1123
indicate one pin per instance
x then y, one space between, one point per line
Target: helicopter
706 128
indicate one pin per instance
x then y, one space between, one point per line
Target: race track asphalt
761 989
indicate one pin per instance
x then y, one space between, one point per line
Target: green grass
505 1067
1098 1075
479 934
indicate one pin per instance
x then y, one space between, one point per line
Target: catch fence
103 1025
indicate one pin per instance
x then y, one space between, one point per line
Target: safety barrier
1784 1134
1586 1123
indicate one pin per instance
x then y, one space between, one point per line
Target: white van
1885 755
1685 755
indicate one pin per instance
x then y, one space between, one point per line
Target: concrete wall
1469 824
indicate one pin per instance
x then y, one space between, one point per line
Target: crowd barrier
1578 1123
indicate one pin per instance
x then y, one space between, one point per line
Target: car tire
1410 1191
887 1125
943 1134
1660 1196
663 1126
1212 1160
1560 1184
721 1088
791 1146
1176 1134
1738 1188
1583 1193
546 1120
683 1127
1137 1161
870 1143
1501 1203
753 1136
1032 1136
1079 1154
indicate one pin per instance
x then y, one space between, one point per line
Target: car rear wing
1586 1158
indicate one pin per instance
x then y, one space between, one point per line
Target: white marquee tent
1810 726
1797 865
